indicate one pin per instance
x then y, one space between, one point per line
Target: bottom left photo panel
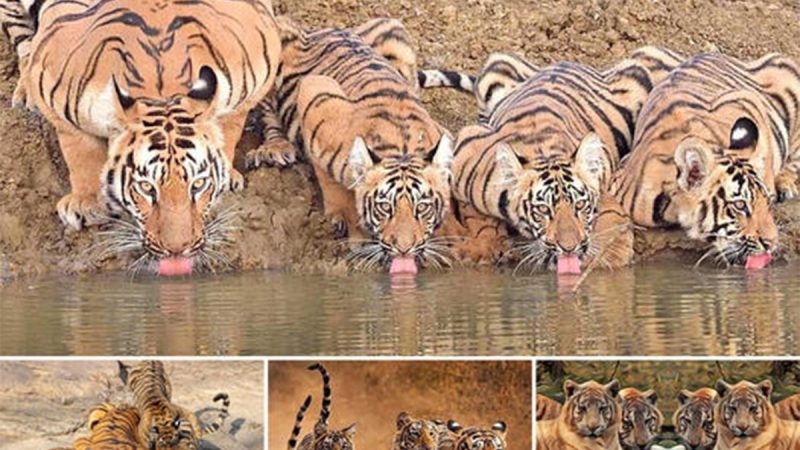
131 404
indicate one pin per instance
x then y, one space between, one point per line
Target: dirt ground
372 394
44 404
281 224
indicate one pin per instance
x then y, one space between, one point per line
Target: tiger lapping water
540 160
148 99
346 99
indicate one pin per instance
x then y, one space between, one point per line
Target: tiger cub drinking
746 419
641 419
716 143
349 99
694 419
148 99
542 156
589 419
322 438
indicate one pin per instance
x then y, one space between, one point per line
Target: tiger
322 438
589 419
347 100
641 419
163 425
111 427
474 438
148 99
694 419
539 161
546 408
746 419
417 434
789 408
715 145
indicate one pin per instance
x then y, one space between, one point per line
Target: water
658 309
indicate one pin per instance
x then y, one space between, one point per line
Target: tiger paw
236 183
20 98
279 153
786 186
79 211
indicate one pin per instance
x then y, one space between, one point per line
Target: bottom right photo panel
703 405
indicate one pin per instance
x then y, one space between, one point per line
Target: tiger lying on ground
694 419
111 428
165 425
715 143
322 438
148 99
348 99
589 419
546 408
542 155
474 438
417 434
641 419
746 419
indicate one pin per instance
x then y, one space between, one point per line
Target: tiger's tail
446 79
223 413
298 422
325 410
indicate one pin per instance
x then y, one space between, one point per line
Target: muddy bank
44 404
281 225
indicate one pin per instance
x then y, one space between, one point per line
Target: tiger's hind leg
276 150
612 235
19 29
391 39
500 75
85 156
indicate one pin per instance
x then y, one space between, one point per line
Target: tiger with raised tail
111 428
347 98
322 438
715 145
694 419
641 419
148 99
539 162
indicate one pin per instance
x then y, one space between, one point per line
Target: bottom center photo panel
400 405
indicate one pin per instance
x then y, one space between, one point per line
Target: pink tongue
757 262
404 264
569 265
175 266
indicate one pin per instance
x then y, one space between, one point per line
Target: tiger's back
111 428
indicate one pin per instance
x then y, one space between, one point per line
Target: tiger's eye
543 209
423 208
580 204
385 207
147 187
740 205
198 183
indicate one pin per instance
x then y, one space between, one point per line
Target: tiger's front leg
339 204
612 235
85 156
232 128
276 149
786 183
476 238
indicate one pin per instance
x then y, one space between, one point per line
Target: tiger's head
641 419
336 439
591 409
553 202
744 410
166 170
403 198
417 434
478 438
726 199
169 429
694 418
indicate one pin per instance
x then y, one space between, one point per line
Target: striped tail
325 411
298 422
446 79
223 413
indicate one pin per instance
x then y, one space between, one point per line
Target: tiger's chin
741 254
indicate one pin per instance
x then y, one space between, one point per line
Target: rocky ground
44 404
281 223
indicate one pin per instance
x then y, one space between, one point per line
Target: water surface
657 309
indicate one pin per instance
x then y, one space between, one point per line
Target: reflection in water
650 310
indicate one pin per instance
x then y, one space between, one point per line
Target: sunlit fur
589 419
164 425
544 150
111 427
789 408
383 164
715 104
641 419
322 438
546 408
417 434
149 99
746 419
694 419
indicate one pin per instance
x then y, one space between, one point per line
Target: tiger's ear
570 387
509 168
443 155
123 372
358 163
592 162
403 419
500 428
723 388
684 396
612 388
454 426
694 161
650 396
350 431
765 387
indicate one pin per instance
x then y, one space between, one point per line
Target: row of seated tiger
153 422
728 417
411 434
560 165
